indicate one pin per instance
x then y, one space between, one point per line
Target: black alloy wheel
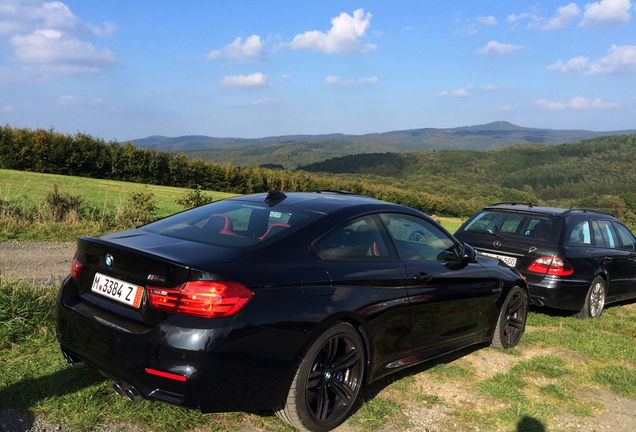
512 320
327 381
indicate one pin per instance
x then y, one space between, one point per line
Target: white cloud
573 65
237 82
514 18
487 21
606 12
460 93
6 109
108 28
496 48
507 108
286 77
55 15
61 53
576 103
252 49
43 34
337 81
564 15
344 37
620 61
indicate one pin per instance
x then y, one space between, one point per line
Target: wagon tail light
76 267
551 266
208 299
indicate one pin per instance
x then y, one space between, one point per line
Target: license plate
508 260
117 290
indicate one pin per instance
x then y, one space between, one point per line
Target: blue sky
129 69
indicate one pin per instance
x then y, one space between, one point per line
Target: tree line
48 151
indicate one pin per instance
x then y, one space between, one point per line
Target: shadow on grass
529 424
29 393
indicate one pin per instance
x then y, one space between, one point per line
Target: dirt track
43 263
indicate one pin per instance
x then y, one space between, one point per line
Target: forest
598 172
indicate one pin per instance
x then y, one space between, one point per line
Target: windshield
233 223
519 226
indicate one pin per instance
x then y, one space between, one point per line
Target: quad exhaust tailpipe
70 358
126 390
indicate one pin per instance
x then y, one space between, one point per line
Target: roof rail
588 210
341 192
511 203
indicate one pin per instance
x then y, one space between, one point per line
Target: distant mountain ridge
293 151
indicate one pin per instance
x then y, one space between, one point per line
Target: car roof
321 201
529 208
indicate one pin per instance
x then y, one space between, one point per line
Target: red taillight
76 267
208 299
166 375
551 266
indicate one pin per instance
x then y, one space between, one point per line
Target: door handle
608 260
422 277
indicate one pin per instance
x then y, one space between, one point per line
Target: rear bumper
559 293
227 364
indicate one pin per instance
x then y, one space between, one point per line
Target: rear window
524 227
233 223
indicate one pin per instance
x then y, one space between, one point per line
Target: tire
327 381
594 300
512 320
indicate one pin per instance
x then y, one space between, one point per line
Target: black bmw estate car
576 259
288 302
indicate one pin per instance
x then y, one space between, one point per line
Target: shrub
141 208
60 205
194 198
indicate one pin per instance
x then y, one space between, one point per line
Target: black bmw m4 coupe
290 302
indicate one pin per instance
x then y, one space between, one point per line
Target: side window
599 240
627 238
581 234
609 234
357 240
419 240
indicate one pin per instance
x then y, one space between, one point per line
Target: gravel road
48 263
44 263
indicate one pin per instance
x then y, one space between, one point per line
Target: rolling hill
293 151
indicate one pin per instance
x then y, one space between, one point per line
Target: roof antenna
275 197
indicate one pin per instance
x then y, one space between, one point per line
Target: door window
419 240
627 238
358 240
604 235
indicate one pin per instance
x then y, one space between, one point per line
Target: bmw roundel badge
109 260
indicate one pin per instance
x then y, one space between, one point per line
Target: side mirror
469 255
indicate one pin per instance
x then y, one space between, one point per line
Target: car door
452 303
613 259
628 244
367 274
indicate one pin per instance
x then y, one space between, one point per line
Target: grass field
30 188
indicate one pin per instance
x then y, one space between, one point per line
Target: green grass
28 217
30 188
